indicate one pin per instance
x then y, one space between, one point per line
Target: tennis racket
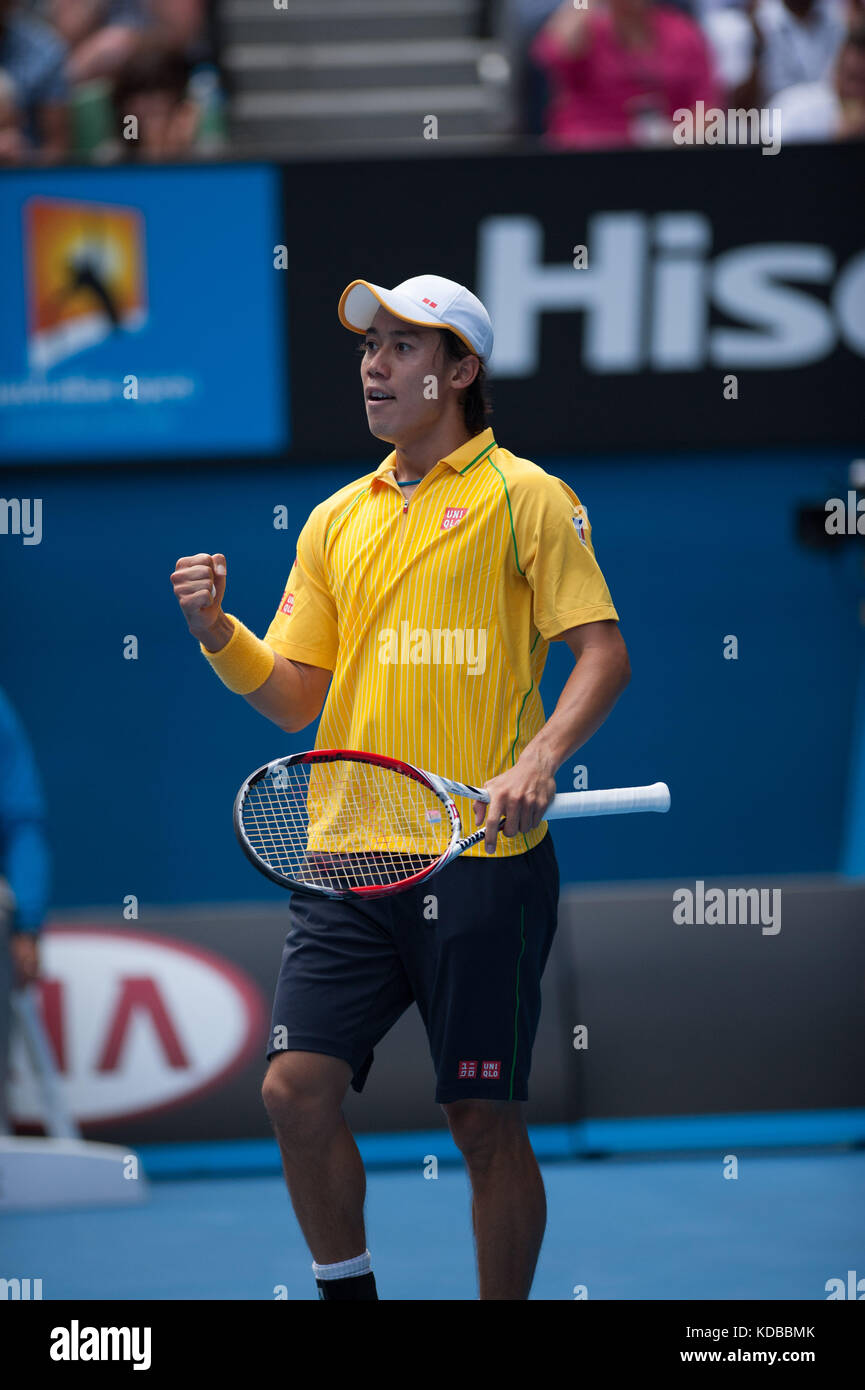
347 824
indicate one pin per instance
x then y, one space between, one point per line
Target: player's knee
481 1127
302 1094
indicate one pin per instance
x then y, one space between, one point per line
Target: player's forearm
589 695
283 698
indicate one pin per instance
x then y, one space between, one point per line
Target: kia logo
138 1023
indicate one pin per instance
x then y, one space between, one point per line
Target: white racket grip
616 801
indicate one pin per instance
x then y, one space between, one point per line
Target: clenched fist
199 586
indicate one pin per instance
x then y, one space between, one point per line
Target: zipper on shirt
404 512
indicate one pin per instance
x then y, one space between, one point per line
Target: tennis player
416 620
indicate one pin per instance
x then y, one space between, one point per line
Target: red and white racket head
345 824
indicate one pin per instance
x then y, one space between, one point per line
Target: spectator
106 38
101 34
181 25
34 57
516 24
735 47
833 109
13 146
24 876
799 42
154 88
104 34
620 72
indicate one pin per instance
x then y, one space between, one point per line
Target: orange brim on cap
360 302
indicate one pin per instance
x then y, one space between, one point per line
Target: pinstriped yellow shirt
435 613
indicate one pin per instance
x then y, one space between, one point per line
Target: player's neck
418 457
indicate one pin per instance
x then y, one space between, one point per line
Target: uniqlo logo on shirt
490 1071
467 1070
451 516
287 604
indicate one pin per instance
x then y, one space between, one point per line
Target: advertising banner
646 300
141 315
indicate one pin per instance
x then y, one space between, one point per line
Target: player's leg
303 1094
509 1207
341 986
476 974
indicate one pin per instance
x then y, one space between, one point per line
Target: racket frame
435 784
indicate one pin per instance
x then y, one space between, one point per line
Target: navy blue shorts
469 946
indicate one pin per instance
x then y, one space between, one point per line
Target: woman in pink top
618 72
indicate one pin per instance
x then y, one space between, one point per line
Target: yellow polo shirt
435 612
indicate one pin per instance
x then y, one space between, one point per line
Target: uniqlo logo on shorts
451 516
287 604
490 1071
467 1070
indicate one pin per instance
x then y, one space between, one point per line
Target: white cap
429 300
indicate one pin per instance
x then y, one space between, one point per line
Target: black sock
361 1286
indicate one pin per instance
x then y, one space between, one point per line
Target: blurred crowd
107 80
111 80
614 72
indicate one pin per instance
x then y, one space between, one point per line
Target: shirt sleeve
555 552
305 626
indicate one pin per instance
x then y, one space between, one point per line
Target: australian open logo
85 276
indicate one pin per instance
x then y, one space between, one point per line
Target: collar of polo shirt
461 460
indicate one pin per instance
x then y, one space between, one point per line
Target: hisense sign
649 286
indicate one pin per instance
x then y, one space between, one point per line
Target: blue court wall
141 758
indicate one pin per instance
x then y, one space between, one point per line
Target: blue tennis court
625 1228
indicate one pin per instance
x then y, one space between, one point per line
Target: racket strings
340 825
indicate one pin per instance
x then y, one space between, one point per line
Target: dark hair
475 404
154 69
